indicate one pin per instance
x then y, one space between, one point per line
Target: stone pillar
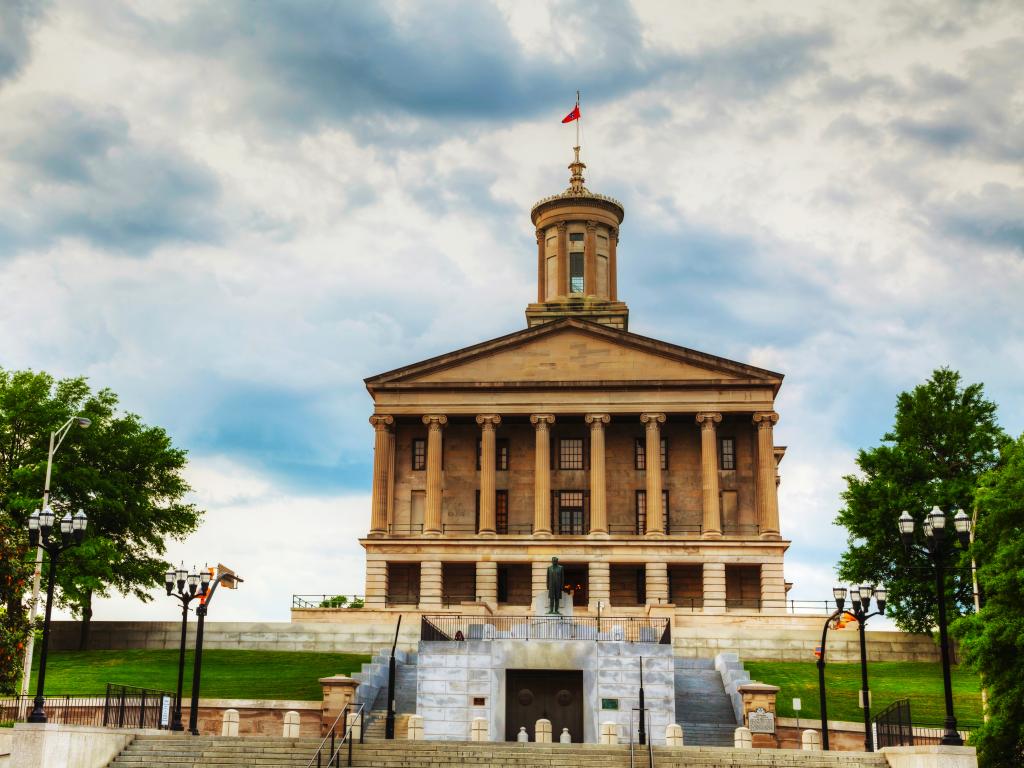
415 732
712 525
714 587
487 582
655 519
599 584
541 266
563 261
379 499
590 259
539 579
613 241
292 725
338 692
390 506
430 584
432 503
773 587
598 492
542 474
767 490
376 583
760 696
487 423
657 583
229 723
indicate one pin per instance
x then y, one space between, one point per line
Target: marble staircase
703 707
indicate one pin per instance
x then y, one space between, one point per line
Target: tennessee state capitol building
649 469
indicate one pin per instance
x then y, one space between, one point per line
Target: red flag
574 115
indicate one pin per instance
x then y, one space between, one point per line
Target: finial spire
576 179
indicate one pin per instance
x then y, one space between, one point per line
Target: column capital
708 419
591 226
652 418
435 420
614 232
562 226
765 419
595 419
488 420
541 420
381 421
540 236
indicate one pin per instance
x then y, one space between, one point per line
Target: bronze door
531 694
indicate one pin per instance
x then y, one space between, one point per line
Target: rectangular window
570 453
576 272
419 454
727 453
500 511
641 512
571 513
500 454
575 237
640 453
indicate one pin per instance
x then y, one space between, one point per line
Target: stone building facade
648 468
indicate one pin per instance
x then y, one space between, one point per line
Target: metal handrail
650 741
331 733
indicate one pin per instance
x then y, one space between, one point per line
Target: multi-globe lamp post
40 530
184 587
860 609
938 547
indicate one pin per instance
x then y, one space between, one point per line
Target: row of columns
773 588
766 497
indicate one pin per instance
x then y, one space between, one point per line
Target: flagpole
578 119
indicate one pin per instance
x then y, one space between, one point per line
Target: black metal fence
629 629
122 706
327 601
894 727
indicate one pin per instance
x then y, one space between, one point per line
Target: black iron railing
122 706
126 706
629 629
327 601
894 727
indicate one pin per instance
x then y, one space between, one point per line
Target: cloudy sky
233 212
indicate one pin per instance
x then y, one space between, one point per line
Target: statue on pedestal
556 582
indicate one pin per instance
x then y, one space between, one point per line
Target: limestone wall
753 638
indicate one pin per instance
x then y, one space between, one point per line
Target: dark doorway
576 579
555 694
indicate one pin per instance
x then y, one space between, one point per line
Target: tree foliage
945 437
993 639
126 475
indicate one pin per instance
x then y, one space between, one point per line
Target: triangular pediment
573 351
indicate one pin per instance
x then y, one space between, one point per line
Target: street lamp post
189 587
72 532
56 438
840 595
938 547
860 602
197 665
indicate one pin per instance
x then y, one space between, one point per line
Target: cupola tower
577 237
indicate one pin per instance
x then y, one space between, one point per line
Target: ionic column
712 527
714 587
613 241
541 266
590 259
391 479
657 583
598 493
542 474
379 498
652 460
430 584
767 491
599 584
563 260
432 502
487 582
487 424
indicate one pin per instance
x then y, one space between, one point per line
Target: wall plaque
761 721
609 703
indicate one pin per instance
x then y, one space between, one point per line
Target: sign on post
796 708
165 711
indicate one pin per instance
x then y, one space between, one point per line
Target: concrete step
703 707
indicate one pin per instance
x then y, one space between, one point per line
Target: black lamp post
197 665
860 602
189 587
939 545
72 532
840 595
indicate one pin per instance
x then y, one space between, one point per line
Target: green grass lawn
226 674
921 682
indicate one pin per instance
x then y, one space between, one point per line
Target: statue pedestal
540 605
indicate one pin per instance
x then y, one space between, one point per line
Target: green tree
125 474
944 438
993 639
